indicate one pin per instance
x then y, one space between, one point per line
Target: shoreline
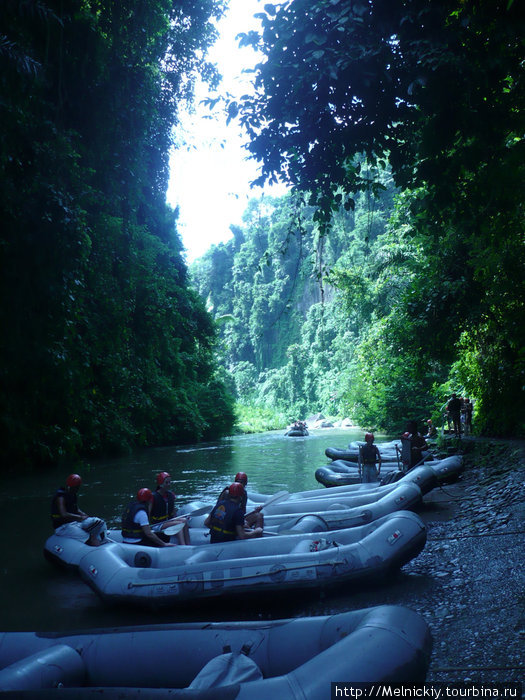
472 592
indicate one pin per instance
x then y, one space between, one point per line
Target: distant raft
289 659
148 576
297 432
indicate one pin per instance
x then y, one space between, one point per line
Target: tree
438 90
103 344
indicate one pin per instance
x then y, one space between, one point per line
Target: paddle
279 496
199 511
173 529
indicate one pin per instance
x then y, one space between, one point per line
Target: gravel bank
468 581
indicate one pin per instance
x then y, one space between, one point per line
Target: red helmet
369 436
236 490
144 495
241 478
73 480
161 477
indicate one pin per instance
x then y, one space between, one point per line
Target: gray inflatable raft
153 577
284 659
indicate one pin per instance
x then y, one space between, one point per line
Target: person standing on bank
454 411
369 456
64 506
226 520
135 523
468 409
163 510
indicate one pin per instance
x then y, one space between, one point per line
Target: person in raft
253 519
136 528
369 456
64 506
163 510
226 520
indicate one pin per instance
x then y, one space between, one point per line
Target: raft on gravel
289 659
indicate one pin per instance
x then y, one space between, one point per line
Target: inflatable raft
342 473
286 659
296 432
154 577
338 513
351 453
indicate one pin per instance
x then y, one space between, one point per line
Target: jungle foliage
436 91
304 318
103 345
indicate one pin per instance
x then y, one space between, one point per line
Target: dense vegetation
103 344
434 94
391 275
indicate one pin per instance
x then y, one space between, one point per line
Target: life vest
368 454
222 526
130 529
162 507
70 500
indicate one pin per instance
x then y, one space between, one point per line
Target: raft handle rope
487 534
257 574
449 669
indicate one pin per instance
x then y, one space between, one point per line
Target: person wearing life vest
369 456
454 411
135 523
226 520
419 449
253 519
64 506
163 509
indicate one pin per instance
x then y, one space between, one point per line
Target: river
37 596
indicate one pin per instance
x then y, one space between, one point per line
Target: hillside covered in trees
390 275
379 311
103 344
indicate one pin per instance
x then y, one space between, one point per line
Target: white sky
210 174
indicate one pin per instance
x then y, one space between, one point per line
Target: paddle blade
173 529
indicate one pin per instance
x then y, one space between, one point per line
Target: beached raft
342 473
351 453
349 505
286 659
154 577
339 513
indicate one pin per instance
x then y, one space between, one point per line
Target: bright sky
210 174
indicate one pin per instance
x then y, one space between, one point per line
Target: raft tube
289 659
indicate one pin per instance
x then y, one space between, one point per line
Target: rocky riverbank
468 581
473 565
